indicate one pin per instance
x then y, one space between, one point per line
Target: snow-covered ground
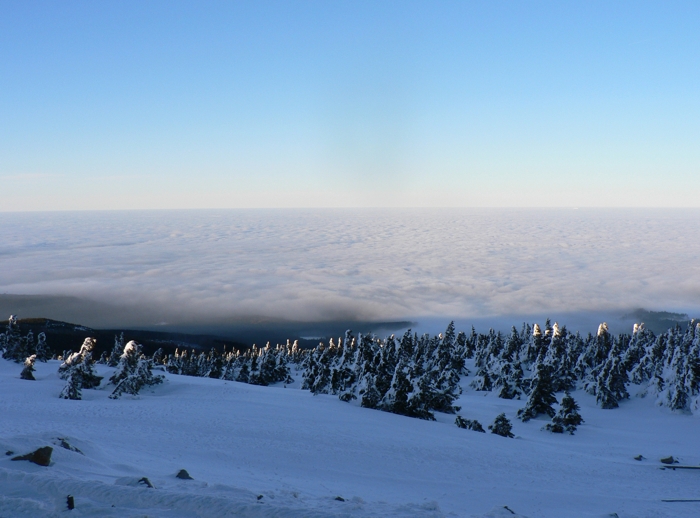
301 451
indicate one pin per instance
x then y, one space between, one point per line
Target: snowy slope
301 451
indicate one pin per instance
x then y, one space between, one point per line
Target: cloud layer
310 265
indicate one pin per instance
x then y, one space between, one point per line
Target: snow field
301 451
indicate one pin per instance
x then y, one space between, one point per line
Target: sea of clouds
345 264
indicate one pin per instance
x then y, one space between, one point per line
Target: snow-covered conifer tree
141 377
43 352
612 378
12 342
567 418
133 372
28 371
117 350
128 361
80 367
541 395
73 387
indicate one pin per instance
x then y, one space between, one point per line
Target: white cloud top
367 264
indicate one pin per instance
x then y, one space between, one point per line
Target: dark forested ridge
63 336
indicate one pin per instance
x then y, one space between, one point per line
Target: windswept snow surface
301 451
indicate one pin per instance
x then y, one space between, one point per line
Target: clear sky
108 105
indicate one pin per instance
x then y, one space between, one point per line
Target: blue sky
108 105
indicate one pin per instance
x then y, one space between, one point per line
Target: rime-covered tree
11 342
128 361
73 386
117 350
541 396
142 376
79 367
159 357
536 345
43 352
134 371
559 359
692 370
28 371
612 378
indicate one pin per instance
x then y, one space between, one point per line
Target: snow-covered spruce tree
43 352
470 344
28 371
173 364
282 370
692 372
502 426
612 378
507 371
559 359
128 361
117 350
536 345
680 374
80 368
641 339
254 378
567 418
489 360
408 394
482 380
652 363
677 396
442 372
159 357
243 372
11 342
73 387
133 372
593 357
367 359
317 377
541 395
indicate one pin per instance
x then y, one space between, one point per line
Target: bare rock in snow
41 456
184 475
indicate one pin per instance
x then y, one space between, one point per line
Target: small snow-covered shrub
469 424
567 419
502 426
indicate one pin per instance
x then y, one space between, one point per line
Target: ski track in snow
313 265
301 451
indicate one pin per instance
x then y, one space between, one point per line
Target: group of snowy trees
18 348
419 375
412 376
133 371
257 366
539 363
